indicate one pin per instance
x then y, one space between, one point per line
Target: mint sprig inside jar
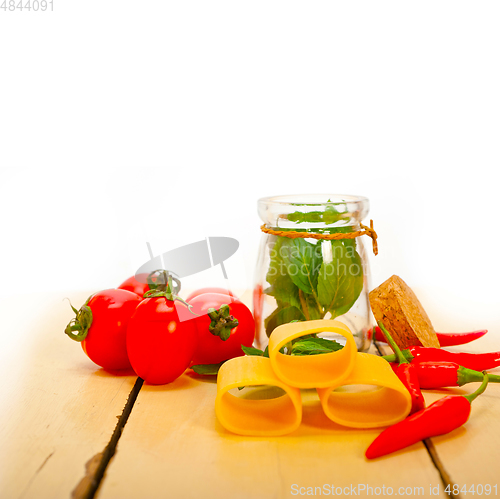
313 264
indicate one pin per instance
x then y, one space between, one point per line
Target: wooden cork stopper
395 304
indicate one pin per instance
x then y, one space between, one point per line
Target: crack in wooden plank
43 464
96 466
36 473
445 477
431 450
82 490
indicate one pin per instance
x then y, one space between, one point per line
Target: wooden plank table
59 418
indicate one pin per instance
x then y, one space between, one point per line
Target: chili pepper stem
480 390
471 376
393 357
465 375
399 354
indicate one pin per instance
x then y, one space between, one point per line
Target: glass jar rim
313 199
276 210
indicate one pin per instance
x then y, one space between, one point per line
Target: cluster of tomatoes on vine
144 325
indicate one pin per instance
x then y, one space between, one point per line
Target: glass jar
312 264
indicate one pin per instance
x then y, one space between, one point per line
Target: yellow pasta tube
371 396
268 417
312 371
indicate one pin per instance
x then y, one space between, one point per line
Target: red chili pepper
452 339
441 417
476 361
406 372
433 375
445 339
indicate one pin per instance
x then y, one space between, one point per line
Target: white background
124 122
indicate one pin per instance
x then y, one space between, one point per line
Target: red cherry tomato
204 291
161 340
136 286
212 349
105 340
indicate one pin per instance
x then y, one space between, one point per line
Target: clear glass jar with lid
313 264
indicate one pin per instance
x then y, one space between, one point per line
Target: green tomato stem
221 322
80 323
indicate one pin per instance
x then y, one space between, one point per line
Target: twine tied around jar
292 234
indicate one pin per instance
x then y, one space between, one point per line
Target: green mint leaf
292 273
331 214
310 217
309 307
207 369
282 315
335 213
277 267
340 279
271 320
252 351
303 261
315 346
285 291
266 352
